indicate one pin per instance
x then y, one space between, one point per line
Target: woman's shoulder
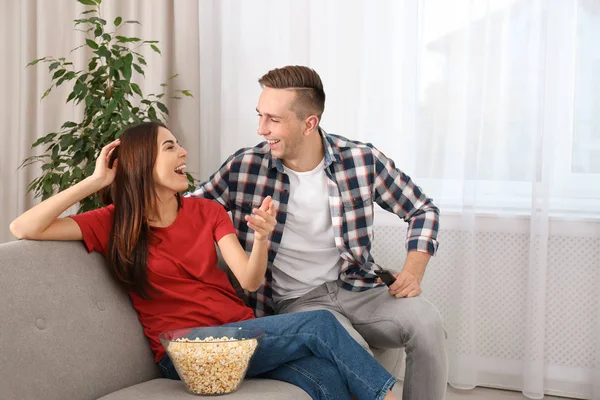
198 204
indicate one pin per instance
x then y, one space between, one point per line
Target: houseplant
111 100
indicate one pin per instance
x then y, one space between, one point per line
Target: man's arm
395 192
216 187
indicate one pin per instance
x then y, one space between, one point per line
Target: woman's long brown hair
134 197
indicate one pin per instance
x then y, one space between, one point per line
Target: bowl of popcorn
211 361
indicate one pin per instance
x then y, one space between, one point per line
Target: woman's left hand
262 220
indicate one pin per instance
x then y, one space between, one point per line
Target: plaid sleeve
395 192
216 187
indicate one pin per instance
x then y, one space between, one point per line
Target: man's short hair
310 97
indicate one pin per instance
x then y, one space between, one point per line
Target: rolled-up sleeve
395 192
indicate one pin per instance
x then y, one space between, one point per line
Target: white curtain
493 107
31 29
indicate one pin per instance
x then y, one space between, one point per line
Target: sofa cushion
252 389
68 330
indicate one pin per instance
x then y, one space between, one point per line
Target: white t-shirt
307 256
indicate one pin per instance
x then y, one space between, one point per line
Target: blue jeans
313 351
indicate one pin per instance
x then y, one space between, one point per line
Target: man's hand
406 285
408 281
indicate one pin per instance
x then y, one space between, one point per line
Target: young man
324 187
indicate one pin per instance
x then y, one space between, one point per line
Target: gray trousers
376 319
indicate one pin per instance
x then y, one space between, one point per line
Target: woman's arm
250 272
42 223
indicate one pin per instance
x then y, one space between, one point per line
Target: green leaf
46 93
82 21
47 186
65 141
68 124
88 11
97 20
58 73
172 77
112 106
81 95
93 63
67 77
107 37
71 97
156 49
162 107
128 59
136 89
54 152
125 39
139 69
126 114
44 139
88 2
92 44
126 71
142 61
78 88
53 66
152 114
187 93
98 31
104 52
64 180
38 142
151 41
132 22
35 61
118 21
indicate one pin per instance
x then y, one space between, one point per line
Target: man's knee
427 328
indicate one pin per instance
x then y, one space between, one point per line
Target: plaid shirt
357 175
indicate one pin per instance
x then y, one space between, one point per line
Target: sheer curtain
31 29
493 108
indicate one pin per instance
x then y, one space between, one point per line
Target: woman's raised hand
262 220
102 173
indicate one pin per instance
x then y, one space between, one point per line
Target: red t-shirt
182 266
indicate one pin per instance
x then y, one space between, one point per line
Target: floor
481 394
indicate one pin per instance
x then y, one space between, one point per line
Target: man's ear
311 124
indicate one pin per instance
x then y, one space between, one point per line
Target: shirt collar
330 154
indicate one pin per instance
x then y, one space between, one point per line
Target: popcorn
211 365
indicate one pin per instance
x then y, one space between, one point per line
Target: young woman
160 246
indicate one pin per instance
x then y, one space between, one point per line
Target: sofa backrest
68 331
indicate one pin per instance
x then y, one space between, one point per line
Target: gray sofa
69 332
